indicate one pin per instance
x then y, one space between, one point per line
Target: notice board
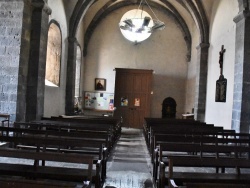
98 100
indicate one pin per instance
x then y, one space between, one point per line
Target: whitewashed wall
222 32
192 71
164 52
56 95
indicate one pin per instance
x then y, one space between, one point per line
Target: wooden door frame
144 89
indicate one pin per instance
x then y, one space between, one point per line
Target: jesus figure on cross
221 59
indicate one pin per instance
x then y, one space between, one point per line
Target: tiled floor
129 165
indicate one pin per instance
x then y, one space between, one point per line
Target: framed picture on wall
100 84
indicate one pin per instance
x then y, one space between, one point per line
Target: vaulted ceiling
181 10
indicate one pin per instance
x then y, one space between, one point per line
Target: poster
111 104
124 101
98 100
137 101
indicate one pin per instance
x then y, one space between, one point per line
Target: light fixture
137 25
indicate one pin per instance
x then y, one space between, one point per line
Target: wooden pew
207 177
221 137
71 130
90 130
11 182
210 185
172 144
179 129
148 122
115 123
205 159
183 135
63 142
62 174
153 122
157 124
81 125
75 125
63 131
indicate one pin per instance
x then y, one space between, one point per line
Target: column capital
242 15
203 45
72 40
42 5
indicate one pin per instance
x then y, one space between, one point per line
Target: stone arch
243 5
82 7
184 28
204 20
54 50
80 10
196 10
170 10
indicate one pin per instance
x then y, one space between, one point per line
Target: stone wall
11 14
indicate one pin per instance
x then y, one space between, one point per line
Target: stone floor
129 165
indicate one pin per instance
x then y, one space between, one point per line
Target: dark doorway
169 108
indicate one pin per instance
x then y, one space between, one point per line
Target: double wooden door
132 96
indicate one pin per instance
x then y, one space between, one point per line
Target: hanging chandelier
139 24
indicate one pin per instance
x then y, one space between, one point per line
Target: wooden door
132 96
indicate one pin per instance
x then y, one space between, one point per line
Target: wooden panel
133 83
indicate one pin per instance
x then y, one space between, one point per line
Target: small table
6 118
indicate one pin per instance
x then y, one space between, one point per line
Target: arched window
78 98
53 61
78 71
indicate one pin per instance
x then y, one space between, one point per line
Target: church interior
130 72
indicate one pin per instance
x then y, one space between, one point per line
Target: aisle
129 165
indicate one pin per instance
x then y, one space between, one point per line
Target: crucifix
221 83
221 58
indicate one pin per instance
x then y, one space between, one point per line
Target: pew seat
181 177
83 173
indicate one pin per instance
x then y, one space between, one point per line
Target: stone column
201 82
71 69
37 60
24 61
241 97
